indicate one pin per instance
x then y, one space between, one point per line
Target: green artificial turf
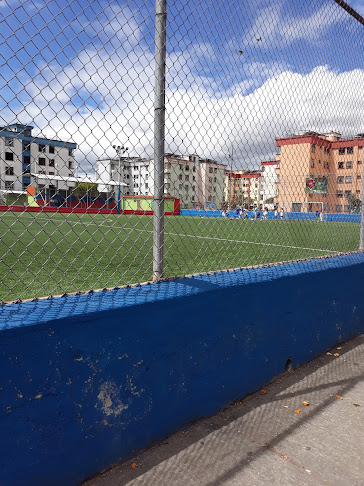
49 254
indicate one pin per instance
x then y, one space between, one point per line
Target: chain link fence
140 142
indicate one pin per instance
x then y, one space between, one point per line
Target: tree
86 189
354 203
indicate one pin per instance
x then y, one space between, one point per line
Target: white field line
195 236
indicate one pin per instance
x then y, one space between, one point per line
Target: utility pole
120 150
231 157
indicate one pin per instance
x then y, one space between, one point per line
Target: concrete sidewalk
262 440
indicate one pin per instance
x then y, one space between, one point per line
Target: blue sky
239 73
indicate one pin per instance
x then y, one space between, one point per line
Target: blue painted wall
338 217
88 379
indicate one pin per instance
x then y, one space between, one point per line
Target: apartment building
268 180
25 160
195 181
135 174
319 172
243 188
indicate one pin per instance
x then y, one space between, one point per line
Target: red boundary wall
51 209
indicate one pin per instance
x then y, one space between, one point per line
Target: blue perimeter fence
337 217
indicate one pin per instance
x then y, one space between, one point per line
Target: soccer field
48 254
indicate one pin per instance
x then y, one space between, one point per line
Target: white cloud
275 27
214 103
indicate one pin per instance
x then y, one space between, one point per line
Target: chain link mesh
263 146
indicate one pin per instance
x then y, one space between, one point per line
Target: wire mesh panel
259 156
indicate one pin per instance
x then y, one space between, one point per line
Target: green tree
354 203
86 189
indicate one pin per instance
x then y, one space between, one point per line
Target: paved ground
261 440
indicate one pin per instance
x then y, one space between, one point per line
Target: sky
238 74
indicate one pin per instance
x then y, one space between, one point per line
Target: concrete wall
88 379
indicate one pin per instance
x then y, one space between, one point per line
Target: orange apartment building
243 188
318 171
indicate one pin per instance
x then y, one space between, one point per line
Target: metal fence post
159 130
361 245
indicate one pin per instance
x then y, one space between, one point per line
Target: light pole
120 150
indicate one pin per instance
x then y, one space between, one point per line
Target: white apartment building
23 157
135 172
269 181
196 182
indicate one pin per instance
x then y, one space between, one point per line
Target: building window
9 156
339 208
187 167
348 179
186 178
9 185
210 170
210 179
186 187
9 142
312 163
278 149
350 150
70 152
360 147
26 146
342 151
340 179
180 167
146 185
193 178
340 165
9 170
180 187
346 207
51 162
358 191
359 162
180 177
313 148
26 159
51 173
70 164
41 148
347 193
349 165
194 169
41 172
358 177
339 194
42 161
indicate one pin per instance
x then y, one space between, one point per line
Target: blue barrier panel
338 217
89 379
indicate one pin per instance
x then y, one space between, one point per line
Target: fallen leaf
329 354
285 406
336 355
306 404
356 404
285 457
338 396
298 411
339 347
309 472
133 465
263 391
